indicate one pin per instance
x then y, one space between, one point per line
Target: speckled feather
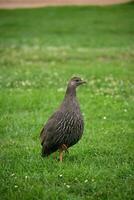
65 126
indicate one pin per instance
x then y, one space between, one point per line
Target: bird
66 125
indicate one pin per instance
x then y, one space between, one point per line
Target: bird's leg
64 147
61 149
61 155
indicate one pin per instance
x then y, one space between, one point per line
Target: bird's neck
70 92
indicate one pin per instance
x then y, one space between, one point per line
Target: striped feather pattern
65 126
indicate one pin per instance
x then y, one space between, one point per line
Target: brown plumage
65 127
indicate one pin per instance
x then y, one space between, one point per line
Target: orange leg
64 147
61 149
61 155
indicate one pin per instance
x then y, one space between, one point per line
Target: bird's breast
73 128
71 123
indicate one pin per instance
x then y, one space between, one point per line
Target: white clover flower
68 186
12 174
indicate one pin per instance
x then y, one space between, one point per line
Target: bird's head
72 85
76 81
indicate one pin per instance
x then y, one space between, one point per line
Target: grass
40 49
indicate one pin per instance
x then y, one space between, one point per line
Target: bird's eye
77 80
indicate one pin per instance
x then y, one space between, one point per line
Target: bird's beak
83 82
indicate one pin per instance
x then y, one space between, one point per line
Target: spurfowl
65 127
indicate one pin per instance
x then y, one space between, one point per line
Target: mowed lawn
40 50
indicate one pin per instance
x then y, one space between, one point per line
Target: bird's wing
50 127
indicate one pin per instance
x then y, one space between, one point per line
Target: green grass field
40 50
